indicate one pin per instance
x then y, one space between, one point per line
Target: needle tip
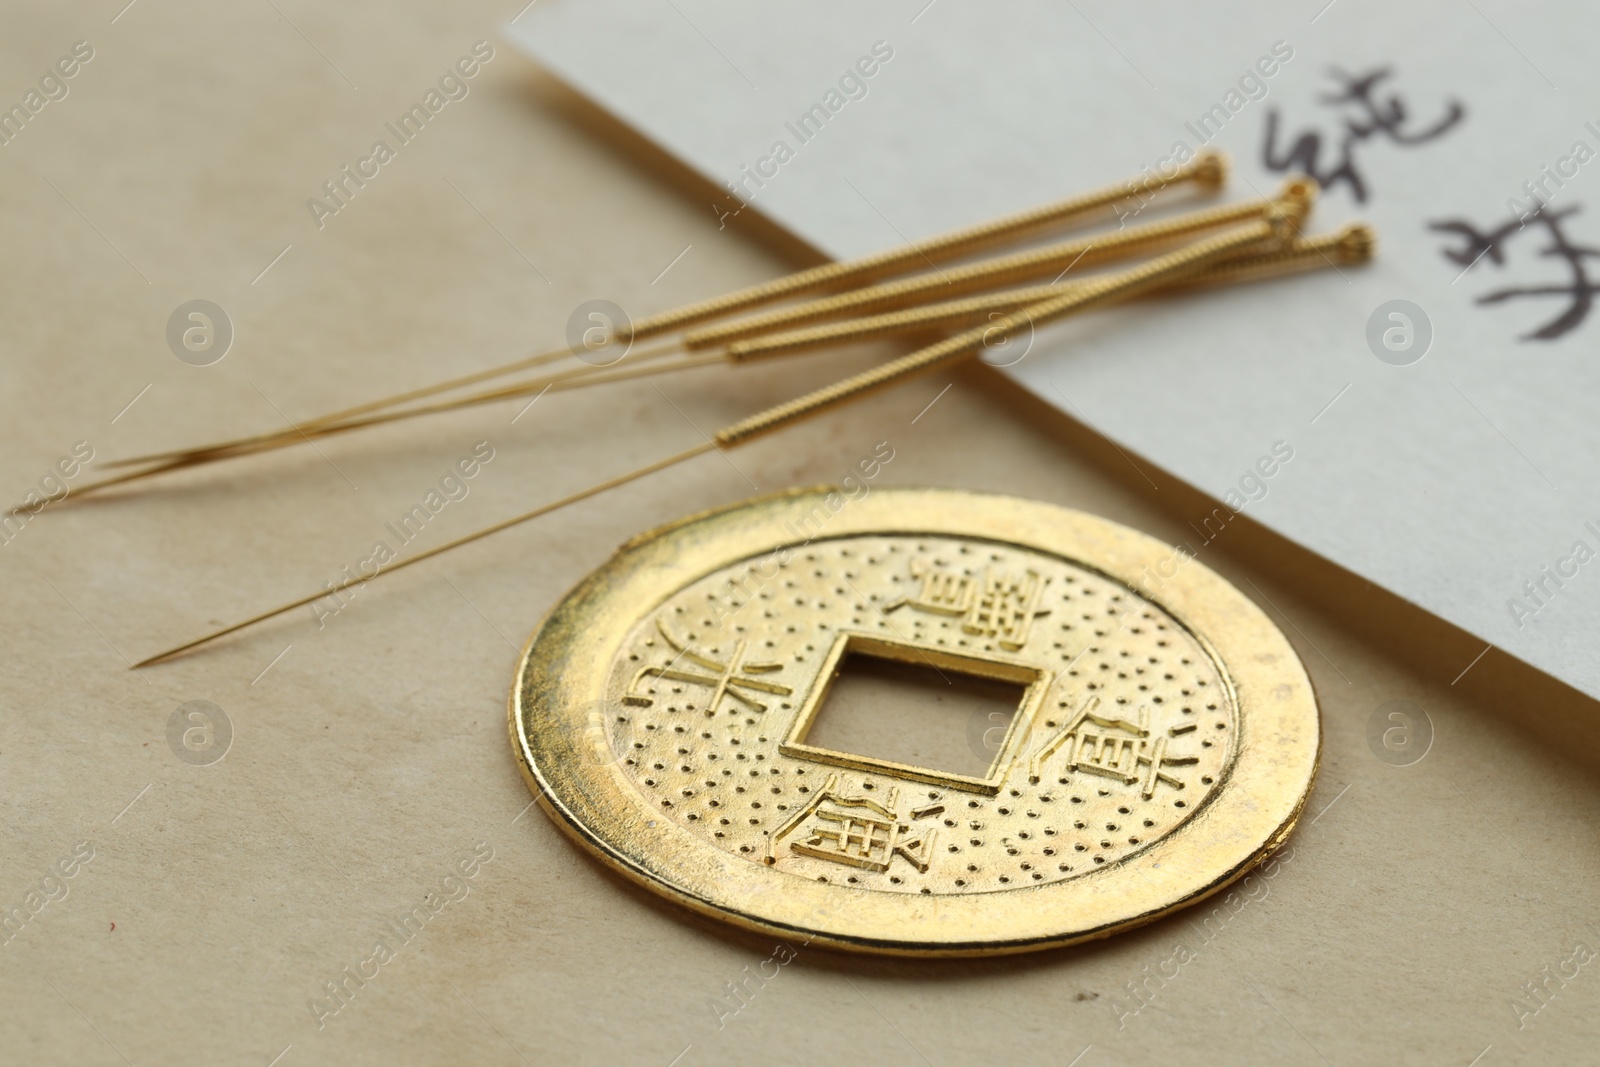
162 657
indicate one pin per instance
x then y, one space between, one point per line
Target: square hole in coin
916 714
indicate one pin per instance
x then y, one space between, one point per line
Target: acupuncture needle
1308 253
1207 171
1101 291
308 433
1297 194
1347 246
419 393
1351 245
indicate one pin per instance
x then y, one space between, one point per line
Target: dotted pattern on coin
1133 735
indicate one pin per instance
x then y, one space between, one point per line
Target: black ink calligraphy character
1371 117
1388 116
1580 289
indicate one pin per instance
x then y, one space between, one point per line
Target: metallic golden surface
1208 170
1096 292
1166 738
1295 199
1103 290
1350 246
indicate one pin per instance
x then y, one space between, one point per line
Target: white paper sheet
1463 481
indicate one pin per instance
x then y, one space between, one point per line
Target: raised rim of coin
565 666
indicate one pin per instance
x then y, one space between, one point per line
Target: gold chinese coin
1157 735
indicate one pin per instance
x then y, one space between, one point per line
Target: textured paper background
372 755
1451 482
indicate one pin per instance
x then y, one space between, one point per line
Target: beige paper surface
369 757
